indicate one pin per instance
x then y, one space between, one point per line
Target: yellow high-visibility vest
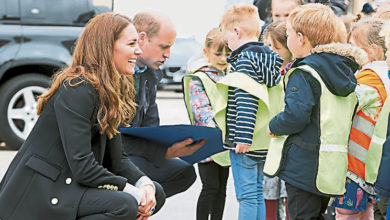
335 111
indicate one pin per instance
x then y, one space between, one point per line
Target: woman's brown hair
93 62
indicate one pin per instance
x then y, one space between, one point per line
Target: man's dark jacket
147 115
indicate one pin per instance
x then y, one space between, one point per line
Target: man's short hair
146 22
315 21
243 16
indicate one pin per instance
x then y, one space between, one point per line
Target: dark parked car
36 39
175 67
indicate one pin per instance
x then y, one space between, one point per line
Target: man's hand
242 148
183 148
148 202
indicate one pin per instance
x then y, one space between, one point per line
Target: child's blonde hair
342 34
243 16
315 21
385 15
215 39
367 32
385 33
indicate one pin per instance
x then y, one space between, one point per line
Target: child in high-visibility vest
382 186
275 36
274 189
256 66
319 106
213 63
373 85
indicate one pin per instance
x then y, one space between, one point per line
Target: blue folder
170 134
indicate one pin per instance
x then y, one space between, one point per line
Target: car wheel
18 107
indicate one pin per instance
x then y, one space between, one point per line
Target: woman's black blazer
63 156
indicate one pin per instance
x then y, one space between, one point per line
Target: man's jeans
248 183
175 176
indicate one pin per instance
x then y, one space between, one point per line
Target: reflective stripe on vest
364 124
213 95
359 142
269 104
374 153
332 161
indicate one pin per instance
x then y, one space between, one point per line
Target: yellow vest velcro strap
377 140
303 144
333 148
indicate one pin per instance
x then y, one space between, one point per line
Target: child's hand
242 148
272 135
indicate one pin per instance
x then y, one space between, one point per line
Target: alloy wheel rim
22 110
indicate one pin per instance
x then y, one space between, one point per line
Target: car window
9 11
182 50
59 12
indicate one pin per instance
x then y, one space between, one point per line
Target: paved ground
181 206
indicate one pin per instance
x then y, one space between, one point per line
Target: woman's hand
148 202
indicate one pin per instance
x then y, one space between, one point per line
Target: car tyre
18 102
